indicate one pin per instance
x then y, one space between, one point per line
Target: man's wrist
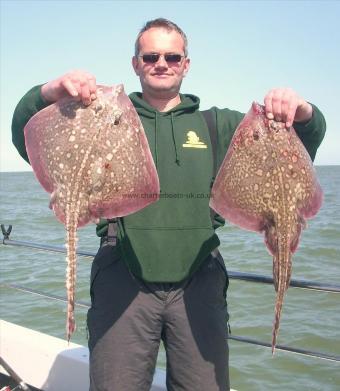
44 94
304 113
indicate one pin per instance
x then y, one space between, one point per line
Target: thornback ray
267 183
96 163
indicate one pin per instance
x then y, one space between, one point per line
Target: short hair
167 25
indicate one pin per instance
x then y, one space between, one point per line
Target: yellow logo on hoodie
193 141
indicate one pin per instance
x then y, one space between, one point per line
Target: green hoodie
168 240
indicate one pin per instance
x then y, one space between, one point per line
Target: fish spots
72 138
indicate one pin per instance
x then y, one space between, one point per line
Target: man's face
161 78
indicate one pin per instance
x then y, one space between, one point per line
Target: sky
239 50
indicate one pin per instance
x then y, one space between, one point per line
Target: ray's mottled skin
96 162
267 183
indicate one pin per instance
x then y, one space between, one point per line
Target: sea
310 319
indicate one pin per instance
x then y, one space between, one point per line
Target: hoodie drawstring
177 161
174 139
156 153
189 103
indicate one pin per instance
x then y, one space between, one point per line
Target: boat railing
250 277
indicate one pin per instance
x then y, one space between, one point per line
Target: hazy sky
238 49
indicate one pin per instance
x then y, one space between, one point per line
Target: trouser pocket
105 256
220 261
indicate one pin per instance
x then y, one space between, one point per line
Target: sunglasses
152 58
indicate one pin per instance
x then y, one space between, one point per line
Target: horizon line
315 165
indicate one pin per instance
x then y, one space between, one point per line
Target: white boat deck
49 363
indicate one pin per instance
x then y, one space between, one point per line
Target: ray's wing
96 162
101 150
267 183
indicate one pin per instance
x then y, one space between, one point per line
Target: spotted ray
267 183
96 162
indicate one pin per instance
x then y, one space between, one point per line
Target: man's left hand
285 105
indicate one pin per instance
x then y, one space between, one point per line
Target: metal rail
303 352
304 284
237 338
294 283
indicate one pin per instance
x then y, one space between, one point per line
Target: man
165 279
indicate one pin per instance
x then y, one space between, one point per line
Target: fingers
290 110
69 86
277 105
281 104
92 86
81 85
268 105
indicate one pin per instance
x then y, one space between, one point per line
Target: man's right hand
79 84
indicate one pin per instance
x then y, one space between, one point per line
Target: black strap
209 116
211 122
111 238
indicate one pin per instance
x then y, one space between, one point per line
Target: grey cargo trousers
129 317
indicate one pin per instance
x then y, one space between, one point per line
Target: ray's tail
72 220
71 269
282 270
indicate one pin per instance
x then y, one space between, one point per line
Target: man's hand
283 104
79 84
